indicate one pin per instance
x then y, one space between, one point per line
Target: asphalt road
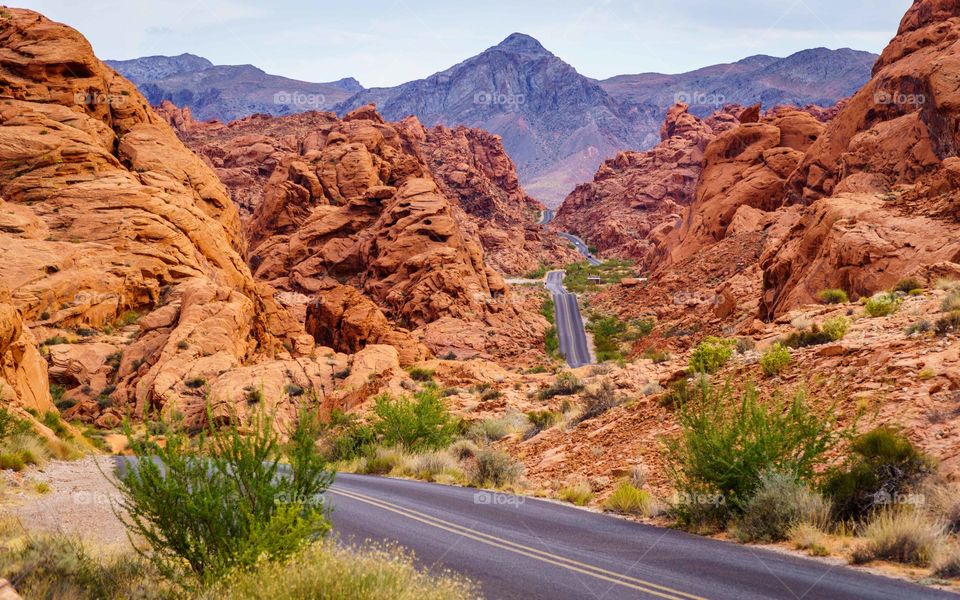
570 332
547 215
529 549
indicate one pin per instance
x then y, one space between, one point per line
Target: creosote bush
223 500
418 423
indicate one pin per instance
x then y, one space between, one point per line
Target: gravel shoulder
80 501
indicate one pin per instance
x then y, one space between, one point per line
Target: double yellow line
646 587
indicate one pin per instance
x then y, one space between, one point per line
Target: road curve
570 331
523 548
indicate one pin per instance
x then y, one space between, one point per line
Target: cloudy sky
386 42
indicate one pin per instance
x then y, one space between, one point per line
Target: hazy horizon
398 41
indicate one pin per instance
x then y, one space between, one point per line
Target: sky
388 42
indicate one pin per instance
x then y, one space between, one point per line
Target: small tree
711 355
223 500
418 423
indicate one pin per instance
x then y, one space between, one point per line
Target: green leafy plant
711 355
775 360
832 330
727 443
419 423
223 500
882 304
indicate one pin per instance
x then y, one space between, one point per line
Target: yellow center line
547 557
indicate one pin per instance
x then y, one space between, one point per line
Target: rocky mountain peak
522 43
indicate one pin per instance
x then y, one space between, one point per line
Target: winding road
522 548
570 331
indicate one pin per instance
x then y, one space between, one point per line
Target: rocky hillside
228 92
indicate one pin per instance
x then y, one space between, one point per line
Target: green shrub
492 430
332 572
902 536
56 340
551 342
775 360
383 461
711 355
578 493
494 468
419 423
128 318
541 420
548 308
836 328
12 462
630 500
908 284
353 440
780 503
833 296
224 501
463 449
566 384
726 444
195 383
679 393
883 304
882 464
294 391
421 374
657 356
52 420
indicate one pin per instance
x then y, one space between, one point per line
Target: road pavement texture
573 338
521 548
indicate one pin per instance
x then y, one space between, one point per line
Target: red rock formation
352 201
104 211
641 195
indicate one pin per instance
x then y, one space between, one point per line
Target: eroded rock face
472 168
637 196
352 202
105 212
882 181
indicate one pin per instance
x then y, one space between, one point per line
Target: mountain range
557 124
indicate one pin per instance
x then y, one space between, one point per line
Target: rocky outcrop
471 167
106 219
882 181
352 202
642 194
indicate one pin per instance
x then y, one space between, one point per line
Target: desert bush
657 356
833 296
598 400
578 493
780 502
882 465
350 441
566 384
494 430
463 449
809 537
947 563
952 302
832 330
331 572
775 360
551 342
629 499
54 567
942 503
383 461
711 355
421 374
908 284
494 468
418 423
680 392
746 344
902 536
541 420
223 500
727 443
434 466
949 323
882 304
